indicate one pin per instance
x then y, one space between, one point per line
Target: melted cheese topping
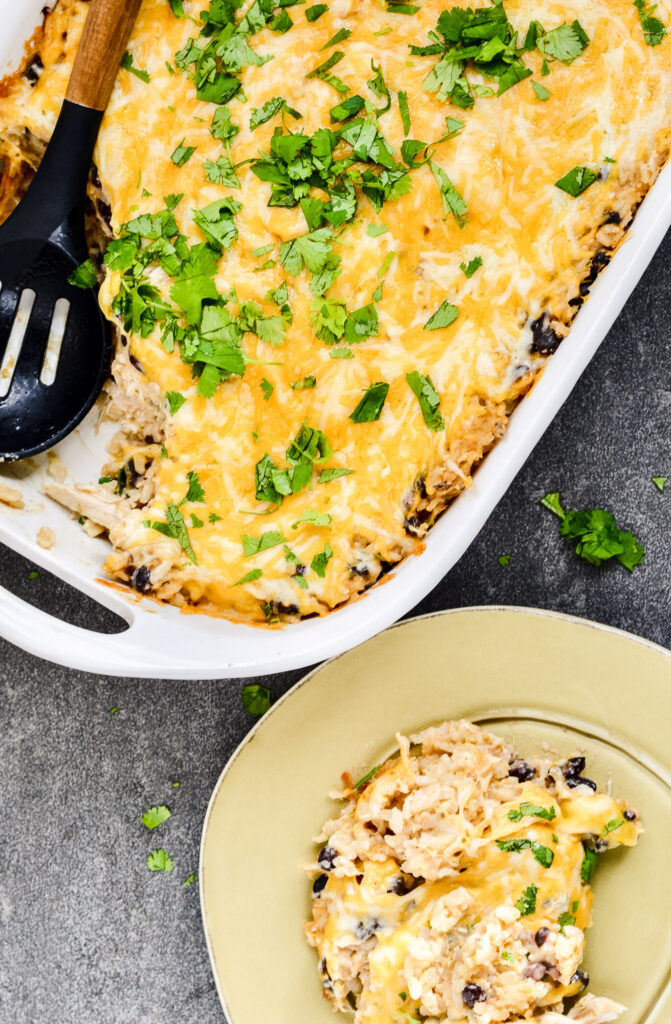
411 953
535 241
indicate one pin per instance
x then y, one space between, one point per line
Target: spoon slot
55 342
15 343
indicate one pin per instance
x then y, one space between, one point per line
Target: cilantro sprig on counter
596 534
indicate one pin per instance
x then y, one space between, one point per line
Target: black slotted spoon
41 244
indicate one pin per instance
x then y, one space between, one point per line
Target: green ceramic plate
535 678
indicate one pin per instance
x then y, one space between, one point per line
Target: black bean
535 971
545 338
364 930
398 886
522 771
572 770
473 994
581 977
629 815
541 935
326 858
141 580
599 260
33 71
319 884
613 217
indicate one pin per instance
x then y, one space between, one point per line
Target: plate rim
494 608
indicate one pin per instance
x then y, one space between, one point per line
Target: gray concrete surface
87 934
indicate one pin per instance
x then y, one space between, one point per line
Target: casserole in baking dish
343 242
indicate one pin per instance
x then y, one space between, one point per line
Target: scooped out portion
454 885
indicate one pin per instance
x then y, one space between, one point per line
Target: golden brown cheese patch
536 244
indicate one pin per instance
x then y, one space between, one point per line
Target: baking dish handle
61 642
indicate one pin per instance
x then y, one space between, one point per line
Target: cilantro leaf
159 860
428 398
347 108
533 811
333 474
452 201
526 904
445 315
312 516
369 408
541 853
216 221
577 181
252 545
155 816
588 865
316 11
597 535
195 491
128 65
84 276
267 388
564 43
221 172
405 112
182 153
541 92
565 919
659 482
256 698
175 527
653 29
365 779
321 560
470 267
253 574
175 400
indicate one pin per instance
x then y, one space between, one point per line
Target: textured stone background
86 932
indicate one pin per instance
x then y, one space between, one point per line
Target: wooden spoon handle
108 27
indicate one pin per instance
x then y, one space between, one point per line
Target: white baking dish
161 642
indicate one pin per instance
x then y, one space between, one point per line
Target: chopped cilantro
195 491
333 474
214 518
84 276
588 864
347 108
452 201
128 65
365 779
305 384
321 560
159 860
189 880
216 222
33 575
373 230
378 86
155 816
316 11
269 539
177 8
564 43
369 408
221 172
541 92
541 853
659 482
612 825
653 29
256 698
577 181
253 574
339 37
532 811
470 267
312 516
282 23
565 919
175 527
405 112
428 398
504 560
267 388
182 153
597 535
526 904
175 400
445 315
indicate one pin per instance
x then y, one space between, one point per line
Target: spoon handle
103 43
